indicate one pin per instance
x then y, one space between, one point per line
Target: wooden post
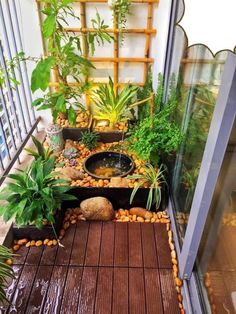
84 49
116 55
148 40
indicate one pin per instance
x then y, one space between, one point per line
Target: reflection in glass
199 76
216 260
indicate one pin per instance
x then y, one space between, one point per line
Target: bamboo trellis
116 59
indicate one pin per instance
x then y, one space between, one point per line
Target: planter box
119 197
75 133
32 233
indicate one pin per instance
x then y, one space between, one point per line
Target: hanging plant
121 9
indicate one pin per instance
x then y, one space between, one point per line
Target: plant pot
75 134
119 197
55 137
108 136
31 232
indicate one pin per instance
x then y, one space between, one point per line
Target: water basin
105 165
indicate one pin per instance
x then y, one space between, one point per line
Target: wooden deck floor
104 268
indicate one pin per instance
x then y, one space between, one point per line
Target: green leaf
41 74
49 26
37 102
71 116
60 104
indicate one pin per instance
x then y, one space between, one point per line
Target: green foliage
157 136
143 93
110 106
121 9
41 74
34 194
155 179
6 272
100 36
10 66
40 152
66 58
90 139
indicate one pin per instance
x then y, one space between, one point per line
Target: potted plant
65 60
6 272
34 199
111 111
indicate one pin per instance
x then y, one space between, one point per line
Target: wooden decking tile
64 253
93 244
136 291
72 290
107 244
39 290
162 245
120 298
80 243
149 247
103 268
55 290
88 291
104 291
169 295
121 252
135 245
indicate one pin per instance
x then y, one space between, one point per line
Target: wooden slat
153 291
80 243
135 245
21 255
49 255
107 244
121 253
104 291
136 291
110 30
115 55
162 245
148 40
23 289
34 255
149 248
93 245
55 290
72 290
103 1
120 301
120 59
169 295
39 290
63 253
88 291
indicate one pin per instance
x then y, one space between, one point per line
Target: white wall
133 45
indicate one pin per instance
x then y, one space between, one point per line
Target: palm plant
40 152
155 179
110 106
5 272
34 194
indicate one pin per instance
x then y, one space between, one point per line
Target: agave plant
5 272
34 194
40 152
90 139
155 179
110 106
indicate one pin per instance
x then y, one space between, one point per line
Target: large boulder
97 208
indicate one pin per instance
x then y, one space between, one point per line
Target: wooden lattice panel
116 59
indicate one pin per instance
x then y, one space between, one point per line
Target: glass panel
216 260
198 79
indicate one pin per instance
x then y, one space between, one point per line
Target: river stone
119 182
69 173
97 208
141 212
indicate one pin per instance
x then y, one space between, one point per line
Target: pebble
16 247
38 243
22 241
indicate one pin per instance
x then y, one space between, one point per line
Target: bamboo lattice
116 59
